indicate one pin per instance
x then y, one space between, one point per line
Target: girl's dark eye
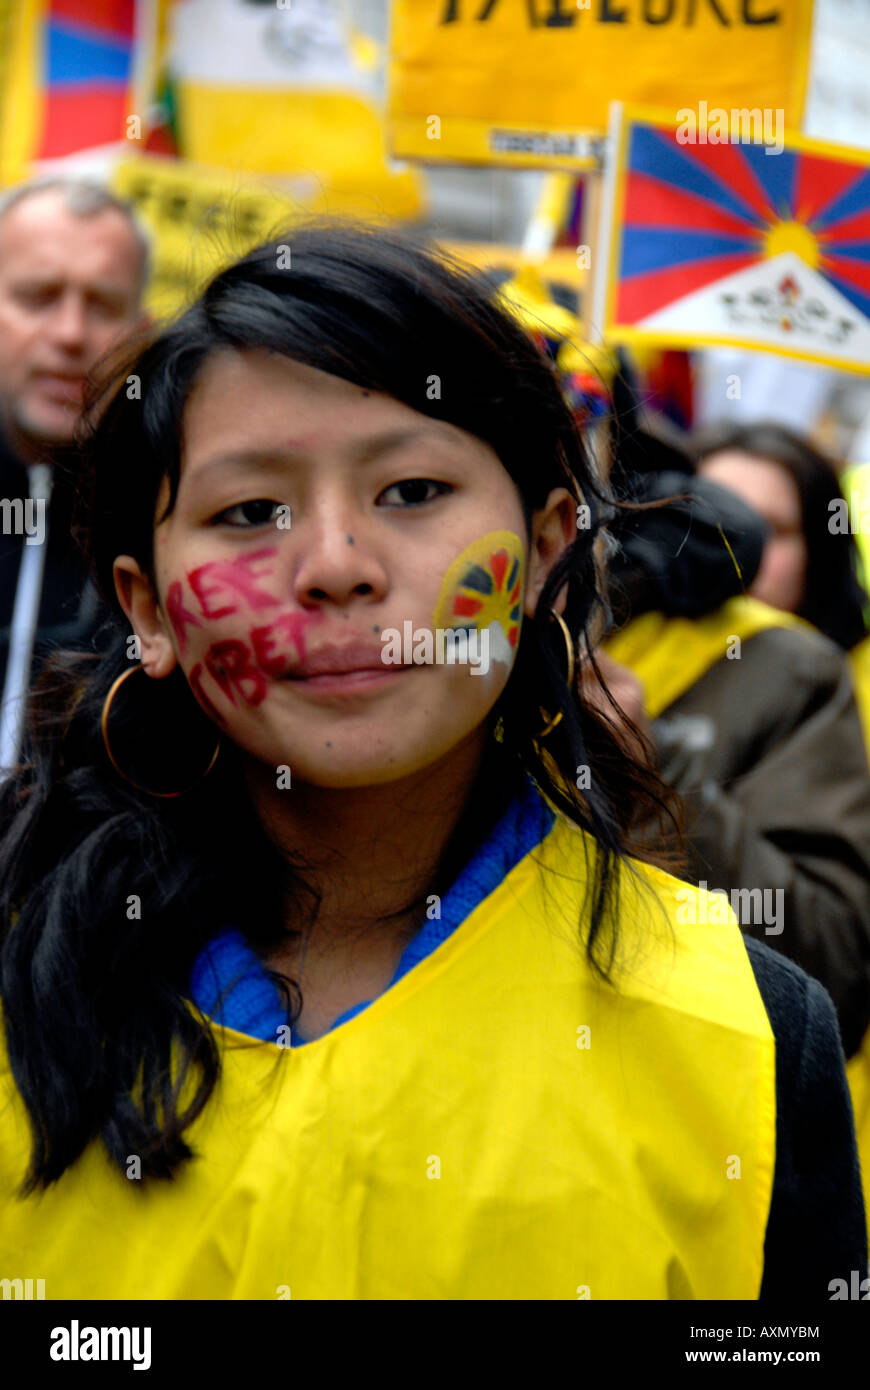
254 513
411 492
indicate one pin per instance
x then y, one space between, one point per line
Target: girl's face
770 489
322 538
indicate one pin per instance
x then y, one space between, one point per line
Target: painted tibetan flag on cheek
719 234
484 586
87 54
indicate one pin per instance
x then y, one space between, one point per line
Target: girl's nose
338 564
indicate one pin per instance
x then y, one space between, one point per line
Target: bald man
73 266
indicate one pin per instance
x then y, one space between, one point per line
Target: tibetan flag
87 55
68 75
715 234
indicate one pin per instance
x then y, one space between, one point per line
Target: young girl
325 971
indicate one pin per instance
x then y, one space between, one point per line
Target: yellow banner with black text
200 220
527 82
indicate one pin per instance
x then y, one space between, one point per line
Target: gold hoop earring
569 675
104 730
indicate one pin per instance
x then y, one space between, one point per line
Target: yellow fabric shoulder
499 1124
670 655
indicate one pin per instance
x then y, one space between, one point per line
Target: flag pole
548 216
599 215
602 252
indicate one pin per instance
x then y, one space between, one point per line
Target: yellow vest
497 1125
668 656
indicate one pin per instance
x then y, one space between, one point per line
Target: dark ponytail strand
106 895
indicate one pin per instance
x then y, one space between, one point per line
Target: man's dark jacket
778 796
70 611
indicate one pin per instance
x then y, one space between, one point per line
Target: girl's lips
339 659
348 682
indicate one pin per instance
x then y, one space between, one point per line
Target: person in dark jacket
760 735
753 718
73 265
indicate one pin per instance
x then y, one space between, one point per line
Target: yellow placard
527 83
561 264
200 220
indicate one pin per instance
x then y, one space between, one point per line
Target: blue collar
230 984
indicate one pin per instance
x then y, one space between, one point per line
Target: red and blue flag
741 242
87 61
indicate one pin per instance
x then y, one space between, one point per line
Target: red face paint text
239 670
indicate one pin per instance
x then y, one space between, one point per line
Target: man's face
69 286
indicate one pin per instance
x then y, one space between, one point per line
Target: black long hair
833 599
107 894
